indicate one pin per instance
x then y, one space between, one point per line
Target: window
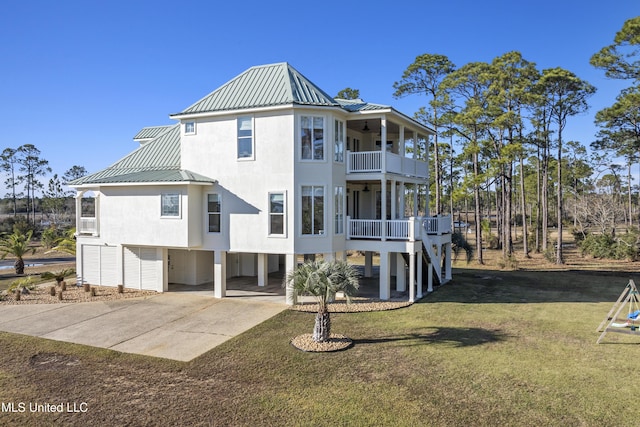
170 205
276 213
311 138
190 128
339 141
312 210
245 137
339 204
213 211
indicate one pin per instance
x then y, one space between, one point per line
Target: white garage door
99 265
141 266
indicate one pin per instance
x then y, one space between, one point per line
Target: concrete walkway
178 326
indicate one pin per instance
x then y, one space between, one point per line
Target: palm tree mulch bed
336 342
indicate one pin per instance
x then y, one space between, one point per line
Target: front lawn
490 348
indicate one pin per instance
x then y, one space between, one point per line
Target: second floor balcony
385 162
409 229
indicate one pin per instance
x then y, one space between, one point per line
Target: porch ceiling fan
366 127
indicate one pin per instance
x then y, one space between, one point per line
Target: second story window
245 138
213 211
311 138
339 141
170 205
190 128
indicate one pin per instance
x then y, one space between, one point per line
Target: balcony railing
88 226
397 229
437 224
379 161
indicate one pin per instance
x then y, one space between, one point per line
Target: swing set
630 324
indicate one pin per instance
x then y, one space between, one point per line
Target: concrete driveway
175 326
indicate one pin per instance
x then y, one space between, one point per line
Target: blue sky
80 78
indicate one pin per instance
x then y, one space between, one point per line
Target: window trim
253 139
283 214
323 232
339 223
324 138
339 148
209 213
162 200
190 122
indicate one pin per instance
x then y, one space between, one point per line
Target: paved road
7 263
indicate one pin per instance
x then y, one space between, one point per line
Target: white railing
364 229
374 161
397 229
364 161
88 226
437 224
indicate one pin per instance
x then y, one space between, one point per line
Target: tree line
500 147
24 168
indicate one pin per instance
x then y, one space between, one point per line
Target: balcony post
348 227
349 169
79 195
383 207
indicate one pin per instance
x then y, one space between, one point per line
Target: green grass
491 348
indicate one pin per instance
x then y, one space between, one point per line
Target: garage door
141 267
99 265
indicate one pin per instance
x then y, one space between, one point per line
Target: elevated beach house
264 170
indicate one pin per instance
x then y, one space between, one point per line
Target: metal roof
355 105
263 86
156 161
151 132
166 176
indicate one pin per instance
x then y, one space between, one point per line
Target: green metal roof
262 86
355 105
151 132
156 161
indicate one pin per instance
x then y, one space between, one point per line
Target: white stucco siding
132 215
244 185
326 173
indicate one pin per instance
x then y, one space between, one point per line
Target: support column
385 276
220 274
412 277
328 256
394 200
401 281
430 277
420 275
263 269
290 264
447 262
368 264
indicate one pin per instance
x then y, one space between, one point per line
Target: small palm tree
323 279
17 244
66 244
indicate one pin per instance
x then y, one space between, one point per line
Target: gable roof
262 86
156 161
151 132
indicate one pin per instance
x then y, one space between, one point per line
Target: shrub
25 282
610 246
51 236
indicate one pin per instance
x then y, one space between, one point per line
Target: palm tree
66 244
18 245
323 279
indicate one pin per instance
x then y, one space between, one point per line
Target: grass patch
491 348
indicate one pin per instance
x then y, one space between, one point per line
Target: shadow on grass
458 337
492 286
